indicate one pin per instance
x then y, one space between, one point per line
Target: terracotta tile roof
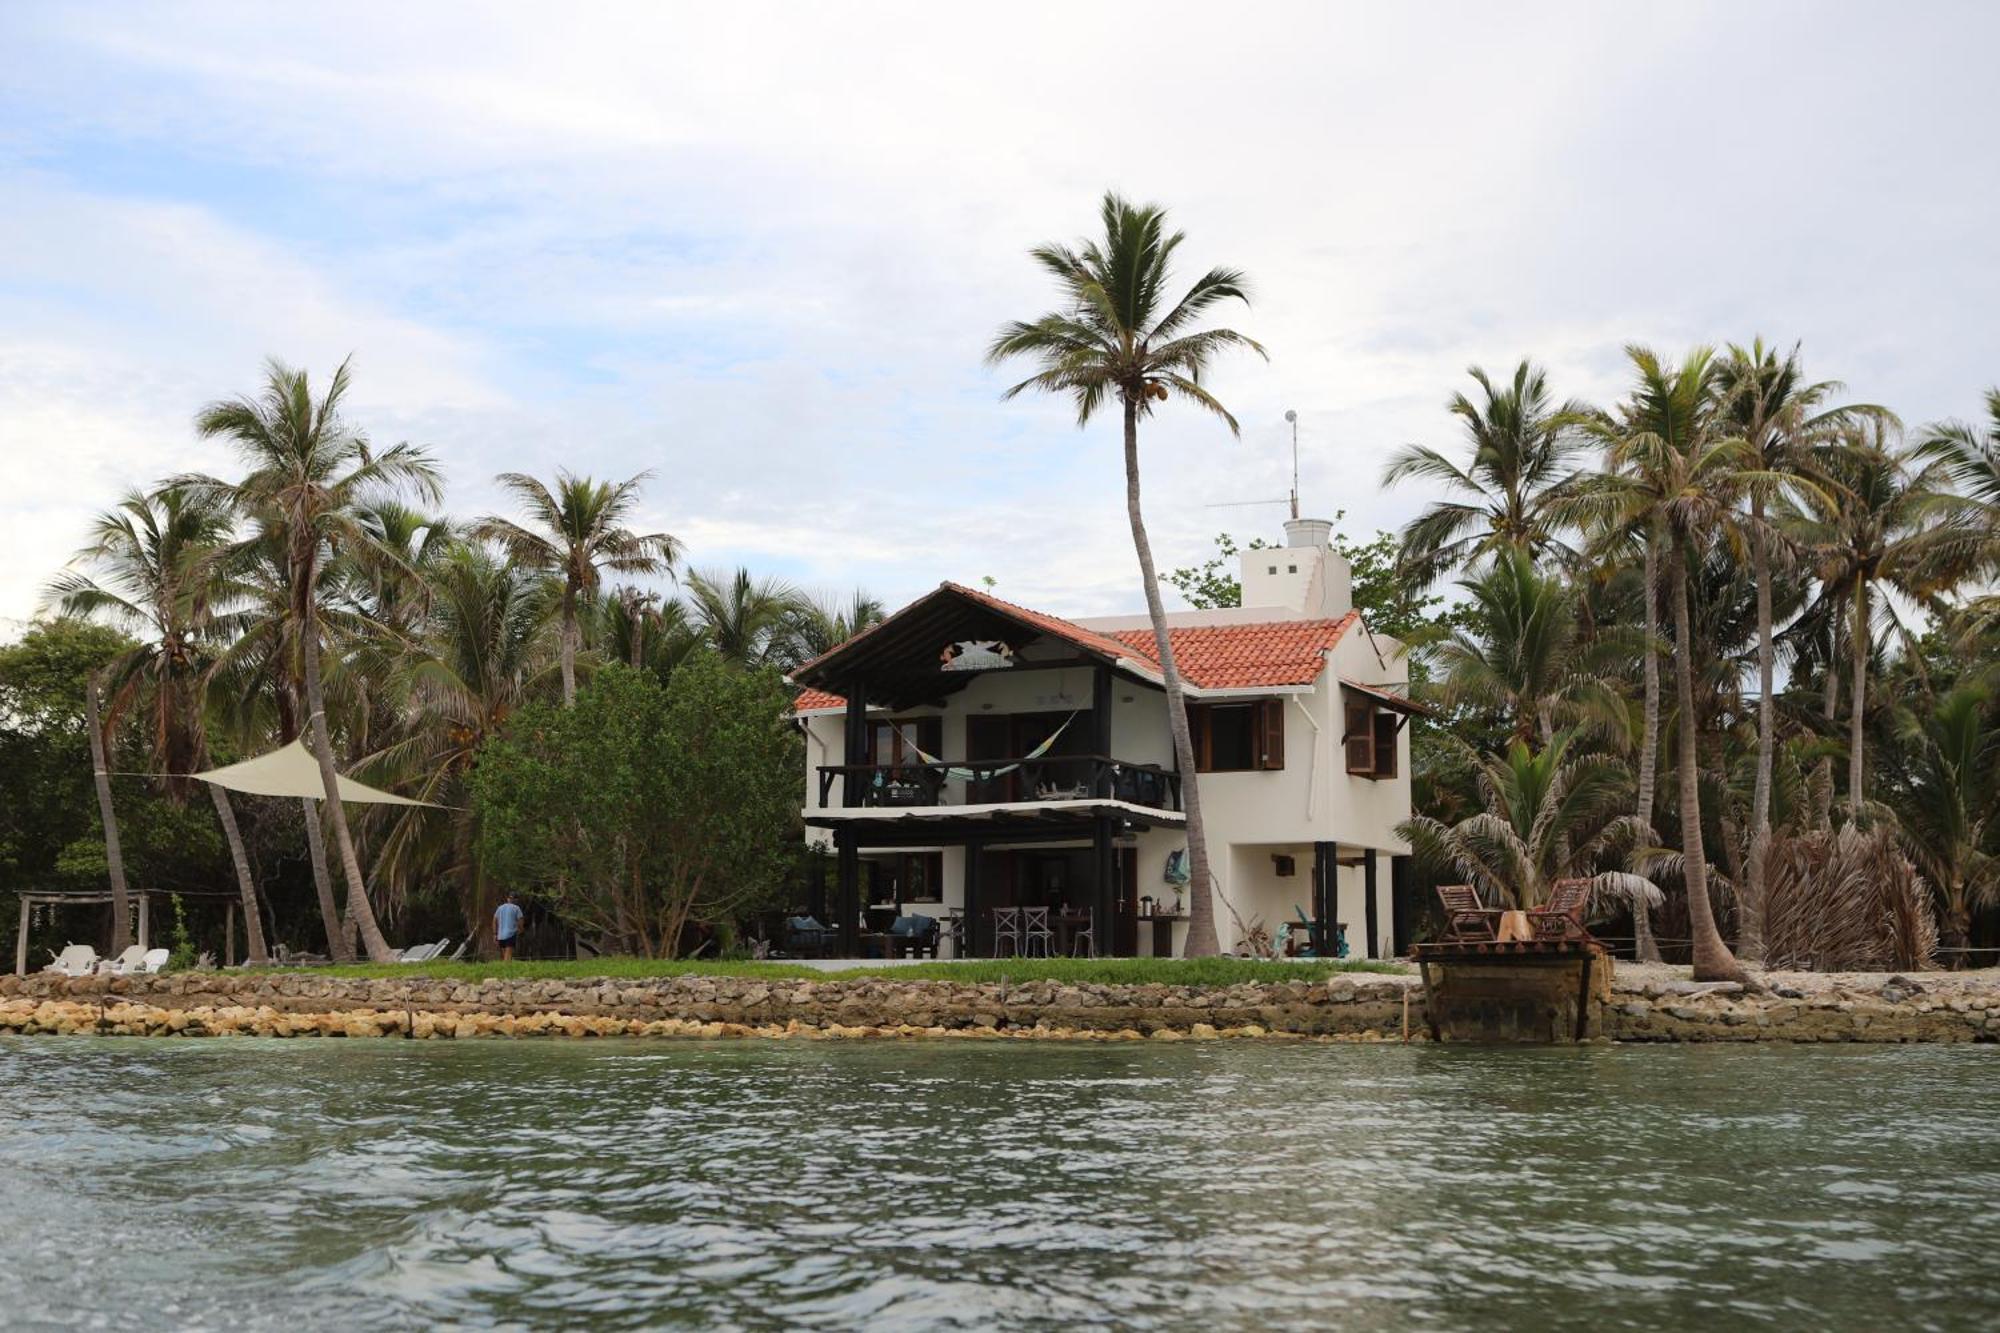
1216 657
1230 657
812 701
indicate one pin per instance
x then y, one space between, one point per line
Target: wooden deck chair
1561 917
1465 917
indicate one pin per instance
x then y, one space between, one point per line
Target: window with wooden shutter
1358 737
1387 724
1271 733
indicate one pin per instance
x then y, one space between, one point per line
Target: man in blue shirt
507 927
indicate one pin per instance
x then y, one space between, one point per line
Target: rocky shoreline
1646 1004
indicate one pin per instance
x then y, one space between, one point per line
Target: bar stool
1006 930
1035 932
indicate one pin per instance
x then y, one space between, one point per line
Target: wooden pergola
32 898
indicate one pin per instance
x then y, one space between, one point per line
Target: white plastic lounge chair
459 952
423 953
76 960
154 961
124 962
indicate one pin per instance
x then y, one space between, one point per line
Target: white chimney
1301 580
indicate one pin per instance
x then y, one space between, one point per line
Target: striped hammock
988 774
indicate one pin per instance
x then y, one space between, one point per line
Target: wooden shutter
1359 736
1386 726
1198 737
1271 733
930 735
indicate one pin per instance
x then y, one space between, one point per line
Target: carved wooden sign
975 655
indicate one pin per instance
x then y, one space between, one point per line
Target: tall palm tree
257 685
1875 521
573 532
747 621
1674 472
1780 416
310 471
1520 648
1117 337
1945 811
156 568
1550 814
1523 447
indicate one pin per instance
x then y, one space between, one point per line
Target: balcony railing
1066 777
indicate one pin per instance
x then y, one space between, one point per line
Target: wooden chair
1465 917
1561 917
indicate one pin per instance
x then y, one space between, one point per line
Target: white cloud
760 248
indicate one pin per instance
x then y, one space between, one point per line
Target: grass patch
1102 971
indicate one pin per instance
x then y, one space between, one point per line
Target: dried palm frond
1845 902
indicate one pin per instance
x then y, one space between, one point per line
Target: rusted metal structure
1533 976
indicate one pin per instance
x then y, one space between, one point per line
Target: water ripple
254 1185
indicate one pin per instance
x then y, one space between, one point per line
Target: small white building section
969 756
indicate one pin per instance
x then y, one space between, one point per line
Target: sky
760 249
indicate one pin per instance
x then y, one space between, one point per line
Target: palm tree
309 473
1550 814
1523 447
747 621
159 573
1972 453
1520 649
1945 809
1673 472
1116 336
258 685
576 529
820 624
488 644
1875 519
1780 416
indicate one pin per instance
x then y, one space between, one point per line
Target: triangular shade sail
291 770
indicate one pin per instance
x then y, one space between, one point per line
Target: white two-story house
968 756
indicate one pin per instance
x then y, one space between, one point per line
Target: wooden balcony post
852 785
1100 721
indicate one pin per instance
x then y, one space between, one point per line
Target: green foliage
1389 604
46 803
646 806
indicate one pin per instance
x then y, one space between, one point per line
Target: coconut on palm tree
156 566
1673 472
574 532
1119 337
310 474
1508 494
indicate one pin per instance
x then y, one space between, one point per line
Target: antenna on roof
1293 417
1293 498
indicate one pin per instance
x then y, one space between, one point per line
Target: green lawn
1129 971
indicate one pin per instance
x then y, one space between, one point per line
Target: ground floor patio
1091 878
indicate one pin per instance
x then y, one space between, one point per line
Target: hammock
988 774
